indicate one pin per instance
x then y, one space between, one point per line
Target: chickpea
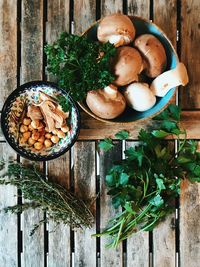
22 140
41 139
26 135
55 139
35 135
47 143
38 145
30 127
61 134
31 141
55 131
26 121
35 124
23 128
48 135
47 129
65 129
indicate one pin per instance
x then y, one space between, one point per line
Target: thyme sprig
60 204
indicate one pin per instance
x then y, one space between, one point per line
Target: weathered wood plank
84 15
138 243
190 49
85 187
189 224
8 48
164 251
59 250
139 8
109 257
94 130
59 236
31 69
111 6
8 221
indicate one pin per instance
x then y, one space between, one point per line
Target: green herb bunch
146 183
60 204
80 64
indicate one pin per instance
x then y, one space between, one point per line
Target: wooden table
25 26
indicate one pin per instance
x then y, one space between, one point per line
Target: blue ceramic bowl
142 26
17 102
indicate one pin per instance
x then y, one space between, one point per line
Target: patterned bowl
129 115
15 104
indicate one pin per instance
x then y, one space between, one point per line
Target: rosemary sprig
60 204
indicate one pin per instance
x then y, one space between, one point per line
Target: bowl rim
5 133
142 119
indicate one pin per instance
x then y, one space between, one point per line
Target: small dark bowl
14 105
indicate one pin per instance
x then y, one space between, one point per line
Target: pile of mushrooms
144 55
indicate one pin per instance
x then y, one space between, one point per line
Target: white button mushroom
169 79
153 52
107 103
139 96
126 65
117 29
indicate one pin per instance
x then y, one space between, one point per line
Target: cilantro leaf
122 135
106 144
123 179
133 154
160 133
157 201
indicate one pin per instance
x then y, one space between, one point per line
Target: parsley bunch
80 64
146 183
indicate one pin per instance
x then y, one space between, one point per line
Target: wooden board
139 8
190 49
85 187
8 221
109 257
111 6
138 243
8 48
31 69
59 249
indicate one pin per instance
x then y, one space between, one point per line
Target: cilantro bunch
80 64
145 184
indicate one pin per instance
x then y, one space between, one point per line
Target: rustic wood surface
25 26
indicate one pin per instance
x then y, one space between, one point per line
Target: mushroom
126 65
139 96
154 55
169 79
117 29
107 103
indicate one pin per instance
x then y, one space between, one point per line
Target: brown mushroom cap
116 24
153 53
105 104
126 65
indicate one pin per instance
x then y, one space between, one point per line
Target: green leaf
110 180
133 154
122 135
183 160
160 184
106 144
128 207
123 179
64 103
157 201
160 133
168 125
175 111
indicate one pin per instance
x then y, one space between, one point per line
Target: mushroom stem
111 91
169 79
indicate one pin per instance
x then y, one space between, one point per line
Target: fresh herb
122 135
64 103
146 183
80 64
106 144
60 203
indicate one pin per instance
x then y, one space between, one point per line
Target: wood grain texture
32 40
138 243
92 129
85 187
84 15
189 224
139 8
190 50
111 6
31 69
8 221
8 48
59 251
109 257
